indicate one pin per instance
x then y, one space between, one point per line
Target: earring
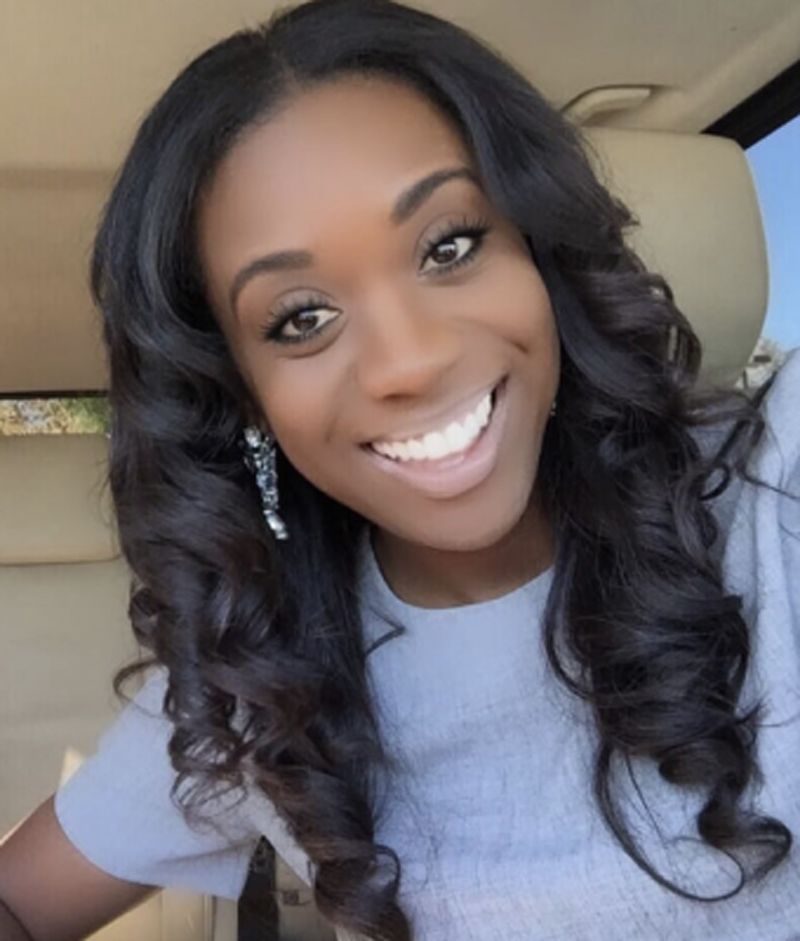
553 409
259 457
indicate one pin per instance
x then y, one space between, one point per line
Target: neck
436 578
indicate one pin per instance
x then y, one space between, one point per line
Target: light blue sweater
493 818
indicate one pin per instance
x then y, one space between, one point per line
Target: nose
405 348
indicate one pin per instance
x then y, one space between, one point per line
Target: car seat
63 583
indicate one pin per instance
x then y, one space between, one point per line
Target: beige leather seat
63 591
63 584
701 228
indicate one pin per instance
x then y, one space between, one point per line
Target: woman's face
357 211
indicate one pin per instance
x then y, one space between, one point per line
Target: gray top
493 817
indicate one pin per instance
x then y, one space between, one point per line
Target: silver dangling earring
553 409
259 457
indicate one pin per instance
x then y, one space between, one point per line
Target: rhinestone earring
553 409
259 457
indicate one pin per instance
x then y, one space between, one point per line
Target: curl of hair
273 633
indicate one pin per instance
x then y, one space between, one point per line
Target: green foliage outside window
68 415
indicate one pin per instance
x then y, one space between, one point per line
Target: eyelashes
283 314
313 304
476 230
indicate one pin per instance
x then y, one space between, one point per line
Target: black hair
649 635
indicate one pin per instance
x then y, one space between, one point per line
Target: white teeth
435 444
415 449
457 436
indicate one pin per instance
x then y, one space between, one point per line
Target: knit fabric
490 808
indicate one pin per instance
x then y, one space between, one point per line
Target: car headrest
694 196
53 502
700 227
50 337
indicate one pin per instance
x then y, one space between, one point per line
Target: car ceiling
78 76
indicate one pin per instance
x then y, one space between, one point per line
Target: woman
430 528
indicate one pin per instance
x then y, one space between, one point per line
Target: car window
776 172
54 415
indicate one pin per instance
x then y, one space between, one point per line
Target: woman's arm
50 891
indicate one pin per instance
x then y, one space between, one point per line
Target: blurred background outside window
775 162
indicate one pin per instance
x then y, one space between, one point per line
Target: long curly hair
272 633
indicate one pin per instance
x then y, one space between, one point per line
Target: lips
454 474
438 424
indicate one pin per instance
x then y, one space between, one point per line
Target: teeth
435 444
414 450
457 436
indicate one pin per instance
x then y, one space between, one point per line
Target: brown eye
305 323
294 323
445 252
450 250
458 245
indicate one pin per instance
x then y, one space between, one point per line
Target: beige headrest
53 502
693 194
50 336
700 228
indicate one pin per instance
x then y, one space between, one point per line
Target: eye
454 247
302 317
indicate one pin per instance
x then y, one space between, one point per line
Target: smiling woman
428 300
358 245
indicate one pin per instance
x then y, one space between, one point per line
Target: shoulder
118 809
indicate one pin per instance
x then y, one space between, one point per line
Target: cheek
296 415
299 402
518 305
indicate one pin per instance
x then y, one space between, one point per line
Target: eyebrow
407 203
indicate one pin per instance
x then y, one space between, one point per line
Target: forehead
361 127
349 145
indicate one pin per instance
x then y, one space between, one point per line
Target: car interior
647 82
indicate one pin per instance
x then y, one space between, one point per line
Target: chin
459 528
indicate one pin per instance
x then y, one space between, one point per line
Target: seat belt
276 905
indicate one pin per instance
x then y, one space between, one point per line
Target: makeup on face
389 320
